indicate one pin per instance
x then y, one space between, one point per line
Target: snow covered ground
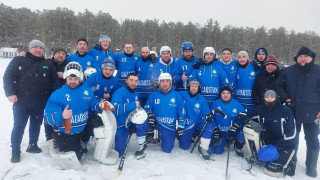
180 164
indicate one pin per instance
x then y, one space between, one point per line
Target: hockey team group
218 102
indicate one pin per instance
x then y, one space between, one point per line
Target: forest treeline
62 27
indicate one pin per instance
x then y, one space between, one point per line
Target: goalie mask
73 69
138 116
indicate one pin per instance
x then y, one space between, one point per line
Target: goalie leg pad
252 139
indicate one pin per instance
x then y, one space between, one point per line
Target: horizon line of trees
61 27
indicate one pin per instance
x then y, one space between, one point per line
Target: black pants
311 131
66 143
48 129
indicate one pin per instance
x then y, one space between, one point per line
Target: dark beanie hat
59 49
305 51
225 88
272 60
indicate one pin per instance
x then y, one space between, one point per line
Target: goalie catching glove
106 105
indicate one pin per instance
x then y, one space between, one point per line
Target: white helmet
208 50
138 116
73 68
165 76
89 71
153 52
165 48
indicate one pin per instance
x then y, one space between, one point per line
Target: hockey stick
198 139
227 175
112 175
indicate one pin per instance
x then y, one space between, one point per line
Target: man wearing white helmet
102 50
165 64
165 107
210 75
184 66
67 110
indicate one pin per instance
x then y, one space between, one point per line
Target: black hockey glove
179 132
153 58
233 130
209 118
152 120
216 136
257 127
197 64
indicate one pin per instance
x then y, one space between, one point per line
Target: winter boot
33 148
140 153
15 156
203 148
238 148
311 162
291 169
274 169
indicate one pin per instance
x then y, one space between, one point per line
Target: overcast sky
298 15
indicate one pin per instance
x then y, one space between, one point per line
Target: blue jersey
161 67
125 65
211 77
99 85
145 70
196 107
230 69
84 60
124 102
231 109
80 101
100 55
168 108
183 67
245 80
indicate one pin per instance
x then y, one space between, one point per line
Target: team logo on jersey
252 73
88 63
136 58
86 93
219 107
173 100
234 110
197 105
214 71
232 68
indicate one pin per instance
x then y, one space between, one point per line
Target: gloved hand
243 117
197 64
105 105
156 84
153 58
67 125
209 118
216 136
257 127
219 111
152 120
233 130
179 132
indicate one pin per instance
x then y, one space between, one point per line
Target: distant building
6 52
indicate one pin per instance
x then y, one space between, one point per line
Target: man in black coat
265 80
28 82
299 87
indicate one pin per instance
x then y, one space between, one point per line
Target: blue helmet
268 153
187 45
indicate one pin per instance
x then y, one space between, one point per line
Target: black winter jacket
60 68
263 82
302 86
31 79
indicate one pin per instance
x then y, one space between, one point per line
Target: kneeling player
271 124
